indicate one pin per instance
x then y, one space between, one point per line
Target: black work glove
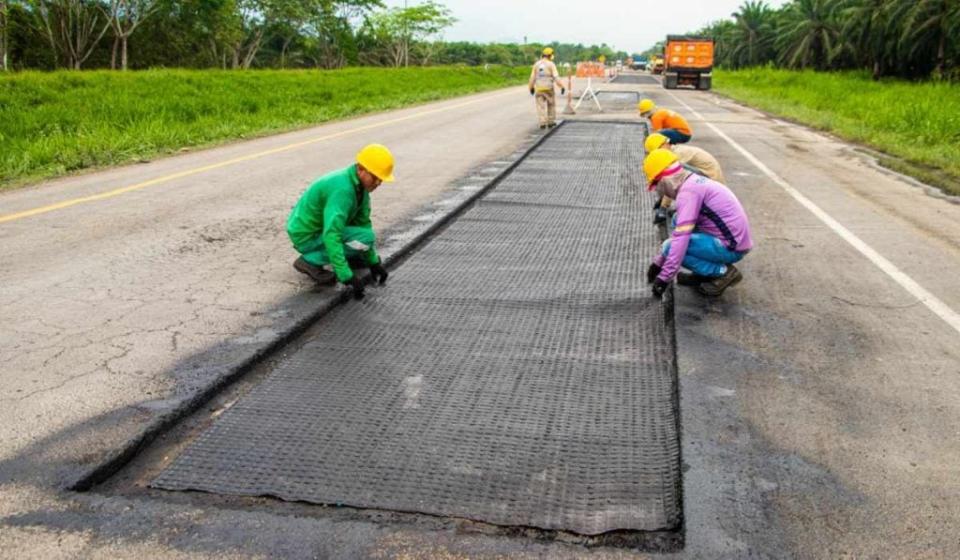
357 284
659 286
379 273
563 90
660 216
531 91
652 271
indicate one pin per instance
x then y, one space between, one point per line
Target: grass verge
917 125
59 122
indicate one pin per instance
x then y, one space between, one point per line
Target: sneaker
716 286
319 275
543 126
685 278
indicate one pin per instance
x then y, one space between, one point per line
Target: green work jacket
333 202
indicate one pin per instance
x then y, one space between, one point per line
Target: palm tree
753 34
808 34
927 28
868 34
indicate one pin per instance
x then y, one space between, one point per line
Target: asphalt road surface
820 398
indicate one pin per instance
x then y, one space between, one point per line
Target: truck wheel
704 82
670 81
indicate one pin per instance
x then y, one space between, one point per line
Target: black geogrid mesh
514 371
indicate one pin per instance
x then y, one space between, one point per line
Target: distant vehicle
639 64
689 62
656 64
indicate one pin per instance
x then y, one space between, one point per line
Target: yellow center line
226 163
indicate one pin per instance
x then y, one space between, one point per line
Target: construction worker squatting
694 159
666 122
711 230
330 225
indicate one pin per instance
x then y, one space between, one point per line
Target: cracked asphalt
820 401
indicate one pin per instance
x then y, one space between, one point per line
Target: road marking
229 162
933 303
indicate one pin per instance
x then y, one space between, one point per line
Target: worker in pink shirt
711 230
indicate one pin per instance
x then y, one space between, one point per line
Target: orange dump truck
689 62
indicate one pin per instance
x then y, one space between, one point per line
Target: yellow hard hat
654 141
645 106
548 51
378 160
656 163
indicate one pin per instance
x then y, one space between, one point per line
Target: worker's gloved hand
652 272
531 91
563 90
379 273
357 284
659 286
660 216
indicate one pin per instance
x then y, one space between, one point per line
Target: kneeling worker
711 231
666 122
690 156
330 225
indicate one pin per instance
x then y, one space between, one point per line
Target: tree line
241 34
903 38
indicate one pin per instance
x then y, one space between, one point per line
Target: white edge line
933 303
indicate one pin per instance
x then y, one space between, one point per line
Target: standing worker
330 225
710 234
543 79
666 122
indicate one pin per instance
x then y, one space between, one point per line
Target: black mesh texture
514 371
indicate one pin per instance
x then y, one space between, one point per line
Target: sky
628 25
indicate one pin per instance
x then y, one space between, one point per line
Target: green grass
918 122
56 123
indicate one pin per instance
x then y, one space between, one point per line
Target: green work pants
356 242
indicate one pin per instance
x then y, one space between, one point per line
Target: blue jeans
675 136
706 255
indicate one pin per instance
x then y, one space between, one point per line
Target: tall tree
867 34
398 28
808 34
928 27
125 16
753 34
4 35
252 20
333 39
72 27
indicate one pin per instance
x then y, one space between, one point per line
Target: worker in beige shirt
543 79
696 159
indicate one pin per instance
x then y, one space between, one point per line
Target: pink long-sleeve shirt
705 206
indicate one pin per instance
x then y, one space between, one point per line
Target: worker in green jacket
330 225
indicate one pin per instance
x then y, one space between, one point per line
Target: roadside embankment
60 122
914 124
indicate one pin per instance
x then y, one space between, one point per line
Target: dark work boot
319 275
690 279
716 286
